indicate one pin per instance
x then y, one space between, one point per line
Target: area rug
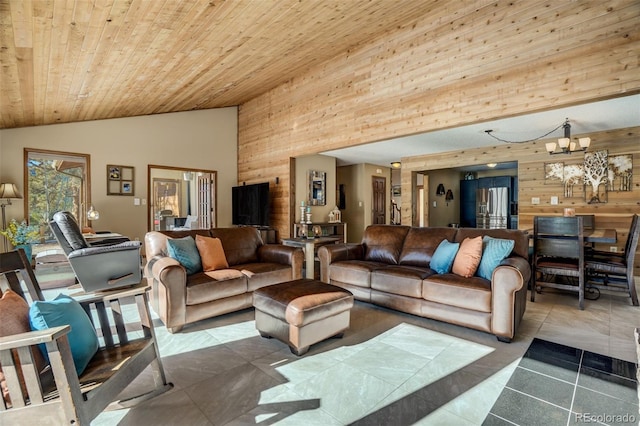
560 385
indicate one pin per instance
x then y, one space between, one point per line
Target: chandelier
565 145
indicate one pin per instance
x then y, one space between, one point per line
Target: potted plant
21 235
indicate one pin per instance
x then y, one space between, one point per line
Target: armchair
56 394
104 267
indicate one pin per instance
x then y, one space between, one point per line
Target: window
56 181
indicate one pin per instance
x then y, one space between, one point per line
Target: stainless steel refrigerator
492 206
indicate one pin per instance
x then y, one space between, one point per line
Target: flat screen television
250 204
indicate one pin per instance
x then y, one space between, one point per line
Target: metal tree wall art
572 175
620 172
596 176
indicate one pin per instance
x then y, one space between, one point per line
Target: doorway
379 191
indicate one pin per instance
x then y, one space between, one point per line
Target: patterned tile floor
558 385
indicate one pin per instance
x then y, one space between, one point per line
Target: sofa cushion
354 272
402 280
450 289
493 252
420 244
211 253
445 254
383 243
215 285
185 251
468 257
261 274
64 310
240 244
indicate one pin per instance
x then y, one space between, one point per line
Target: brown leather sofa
391 268
181 299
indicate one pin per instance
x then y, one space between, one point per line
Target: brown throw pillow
211 253
14 319
468 257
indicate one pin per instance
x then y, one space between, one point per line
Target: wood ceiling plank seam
62 59
131 75
55 54
41 64
104 90
98 69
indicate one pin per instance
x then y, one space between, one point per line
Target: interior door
204 201
379 215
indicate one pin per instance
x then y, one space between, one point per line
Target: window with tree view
56 181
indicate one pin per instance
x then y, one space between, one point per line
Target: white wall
206 139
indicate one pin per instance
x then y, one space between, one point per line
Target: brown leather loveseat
181 299
391 268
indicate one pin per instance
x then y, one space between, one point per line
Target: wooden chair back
558 250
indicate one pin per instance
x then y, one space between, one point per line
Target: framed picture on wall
119 180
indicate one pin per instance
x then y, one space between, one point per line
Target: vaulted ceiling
67 61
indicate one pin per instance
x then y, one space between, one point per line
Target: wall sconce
565 144
396 164
440 190
449 196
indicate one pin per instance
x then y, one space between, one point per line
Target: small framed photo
120 180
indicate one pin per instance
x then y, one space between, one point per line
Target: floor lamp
7 191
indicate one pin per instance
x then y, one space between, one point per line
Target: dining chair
558 251
614 271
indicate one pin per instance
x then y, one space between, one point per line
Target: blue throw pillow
64 310
185 251
443 257
493 251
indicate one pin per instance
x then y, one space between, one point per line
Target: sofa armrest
336 252
168 280
285 255
508 296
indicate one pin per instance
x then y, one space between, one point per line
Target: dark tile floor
556 384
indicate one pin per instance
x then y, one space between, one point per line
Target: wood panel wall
461 63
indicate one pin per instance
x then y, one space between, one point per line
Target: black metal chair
614 271
558 251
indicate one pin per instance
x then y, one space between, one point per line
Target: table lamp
7 191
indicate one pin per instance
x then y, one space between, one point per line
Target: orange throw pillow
468 257
14 319
211 253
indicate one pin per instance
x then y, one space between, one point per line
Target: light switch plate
136 201
554 201
535 200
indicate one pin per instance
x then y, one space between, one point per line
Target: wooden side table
310 247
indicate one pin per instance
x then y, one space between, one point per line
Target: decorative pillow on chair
468 257
443 257
185 251
494 251
211 253
64 310
14 319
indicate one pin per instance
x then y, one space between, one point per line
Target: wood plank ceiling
75 60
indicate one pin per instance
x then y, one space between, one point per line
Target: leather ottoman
302 312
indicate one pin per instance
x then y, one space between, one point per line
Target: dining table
593 236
